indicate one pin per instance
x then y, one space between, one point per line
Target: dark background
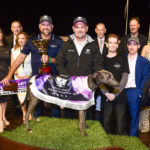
110 12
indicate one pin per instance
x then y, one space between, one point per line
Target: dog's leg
84 121
62 111
81 122
33 101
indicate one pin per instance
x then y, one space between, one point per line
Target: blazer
9 39
105 50
142 73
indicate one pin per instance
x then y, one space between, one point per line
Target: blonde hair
17 44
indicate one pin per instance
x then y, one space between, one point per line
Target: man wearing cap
134 26
45 27
139 72
79 56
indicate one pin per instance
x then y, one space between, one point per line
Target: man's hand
110 96
45 58
6 80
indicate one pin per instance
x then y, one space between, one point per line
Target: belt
130 88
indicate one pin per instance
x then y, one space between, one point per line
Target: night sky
110 12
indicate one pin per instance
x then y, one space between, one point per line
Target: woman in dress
24 71
4 67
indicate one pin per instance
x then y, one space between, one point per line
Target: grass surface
56 133
126 142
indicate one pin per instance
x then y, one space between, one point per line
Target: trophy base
45 70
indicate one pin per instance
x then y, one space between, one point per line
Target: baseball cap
135 39
79 19
46 18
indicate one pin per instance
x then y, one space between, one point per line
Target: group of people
81 55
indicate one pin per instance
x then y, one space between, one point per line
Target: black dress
4 67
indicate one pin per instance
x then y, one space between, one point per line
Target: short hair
17 22
135 18
112 35
100 23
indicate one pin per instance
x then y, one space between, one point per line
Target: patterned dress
4 67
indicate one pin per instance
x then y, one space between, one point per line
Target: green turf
57 133
127 142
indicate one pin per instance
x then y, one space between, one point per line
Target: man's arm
97 59
61 60
145 74
20 59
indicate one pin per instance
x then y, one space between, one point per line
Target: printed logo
117 65
71 50
87 51
53 45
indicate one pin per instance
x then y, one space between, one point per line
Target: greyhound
93 82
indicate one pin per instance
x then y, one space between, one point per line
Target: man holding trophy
43 48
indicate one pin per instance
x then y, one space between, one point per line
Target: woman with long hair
24 71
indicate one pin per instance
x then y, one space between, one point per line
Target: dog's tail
26 98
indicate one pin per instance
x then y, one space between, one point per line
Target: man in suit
100 30
134 26
139 72
16 28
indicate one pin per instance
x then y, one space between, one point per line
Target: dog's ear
92 83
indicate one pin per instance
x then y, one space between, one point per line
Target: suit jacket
142 72
10 39
123 43
105 50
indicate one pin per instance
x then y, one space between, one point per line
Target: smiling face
100 30
133 47
134 26
80 29
16 27
45 28
112 44
22 40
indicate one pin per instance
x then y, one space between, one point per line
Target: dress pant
114 114
133 100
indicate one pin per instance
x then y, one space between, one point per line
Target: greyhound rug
72 92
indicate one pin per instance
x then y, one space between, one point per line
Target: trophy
42 46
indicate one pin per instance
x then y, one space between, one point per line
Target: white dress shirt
101 44
131 77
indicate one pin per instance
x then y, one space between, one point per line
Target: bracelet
30 75
50 59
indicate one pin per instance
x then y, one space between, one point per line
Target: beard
46 32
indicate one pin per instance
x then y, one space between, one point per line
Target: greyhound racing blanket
72 92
